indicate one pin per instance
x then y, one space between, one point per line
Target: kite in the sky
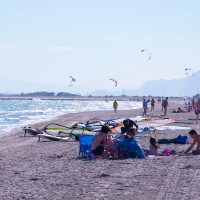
148 52
73 81
114 81
187 71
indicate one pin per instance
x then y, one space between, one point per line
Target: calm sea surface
18 113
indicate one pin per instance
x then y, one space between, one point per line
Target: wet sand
53 170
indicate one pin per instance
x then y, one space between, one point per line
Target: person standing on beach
115 105
196 139
197 108
145 107
193 103
152 104
165 104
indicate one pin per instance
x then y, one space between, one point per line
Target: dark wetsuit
126 127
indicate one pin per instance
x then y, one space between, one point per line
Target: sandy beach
53 170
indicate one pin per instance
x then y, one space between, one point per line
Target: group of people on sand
195 106
164 105
103 146
102 143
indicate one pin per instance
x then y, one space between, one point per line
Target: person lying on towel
196 139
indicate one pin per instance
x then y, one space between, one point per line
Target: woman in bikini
100 143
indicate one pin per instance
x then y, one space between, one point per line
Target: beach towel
129 146
179 140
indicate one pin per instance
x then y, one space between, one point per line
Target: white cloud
62 48
88 49
5 46
67 49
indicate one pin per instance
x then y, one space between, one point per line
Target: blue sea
19 113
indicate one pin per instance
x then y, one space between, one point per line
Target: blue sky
48 41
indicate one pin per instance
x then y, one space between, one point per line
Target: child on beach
197 108
196 139
154 147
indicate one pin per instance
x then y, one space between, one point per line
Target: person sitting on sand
196 139
189 109
128 123
154 147
130 134
197 108
179 111
100 143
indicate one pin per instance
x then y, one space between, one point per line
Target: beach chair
84 144
129 148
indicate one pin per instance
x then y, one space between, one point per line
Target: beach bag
181 140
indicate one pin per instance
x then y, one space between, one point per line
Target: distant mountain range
188 86
19 86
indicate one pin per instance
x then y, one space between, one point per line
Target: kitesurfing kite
114 81
73 81
148 52
187 71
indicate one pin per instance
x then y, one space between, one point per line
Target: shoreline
58 117
60 112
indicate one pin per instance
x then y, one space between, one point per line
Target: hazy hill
188 86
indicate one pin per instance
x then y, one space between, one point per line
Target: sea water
19 113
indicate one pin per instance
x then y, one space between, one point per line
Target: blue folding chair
84 144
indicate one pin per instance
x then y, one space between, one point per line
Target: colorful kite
148 52
73 81
114 81
187 71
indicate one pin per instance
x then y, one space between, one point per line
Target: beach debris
148 52
72 81
187 71
104 175
114 81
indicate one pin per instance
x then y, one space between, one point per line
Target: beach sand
53 170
